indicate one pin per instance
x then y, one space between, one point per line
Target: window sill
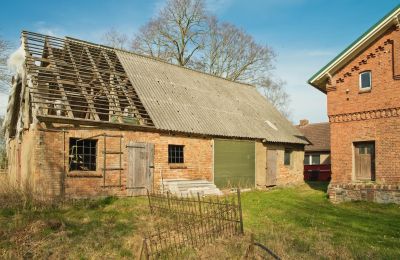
84 174
362 91
177 166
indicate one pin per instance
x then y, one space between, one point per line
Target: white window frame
310 158
360 81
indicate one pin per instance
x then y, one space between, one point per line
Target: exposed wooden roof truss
77 80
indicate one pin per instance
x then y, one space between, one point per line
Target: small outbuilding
88 120
317 154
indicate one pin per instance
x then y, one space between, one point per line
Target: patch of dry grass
296 223
12 196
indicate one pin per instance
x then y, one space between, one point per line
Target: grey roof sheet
184 100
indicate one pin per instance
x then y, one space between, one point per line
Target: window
312 159
175 153
287 156
82 154
365 80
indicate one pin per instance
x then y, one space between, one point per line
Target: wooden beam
104 86
88 98
122 86
58 78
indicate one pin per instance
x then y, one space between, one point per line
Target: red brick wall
385 92
369 116
47 167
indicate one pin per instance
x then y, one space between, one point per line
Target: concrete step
182 187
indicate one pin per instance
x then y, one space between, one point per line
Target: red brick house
317 154
363 89
88 120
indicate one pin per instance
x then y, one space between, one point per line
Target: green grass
300 222
296 223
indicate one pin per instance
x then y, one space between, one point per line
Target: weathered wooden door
272 167
364 160
140 168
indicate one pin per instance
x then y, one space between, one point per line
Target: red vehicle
321 172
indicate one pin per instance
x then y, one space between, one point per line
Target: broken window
175 153
82 154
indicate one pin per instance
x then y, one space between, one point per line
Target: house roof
319 79
84 83
319 136
184 100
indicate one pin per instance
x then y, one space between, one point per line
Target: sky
305 34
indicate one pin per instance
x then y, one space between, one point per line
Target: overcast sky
305 34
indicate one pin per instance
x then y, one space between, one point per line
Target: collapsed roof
76 82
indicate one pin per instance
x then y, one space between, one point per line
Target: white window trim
370 80
310 158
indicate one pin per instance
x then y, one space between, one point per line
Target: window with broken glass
82 154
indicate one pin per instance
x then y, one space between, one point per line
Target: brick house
87 120
317 154
363 89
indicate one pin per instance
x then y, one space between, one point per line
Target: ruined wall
50 167
46 161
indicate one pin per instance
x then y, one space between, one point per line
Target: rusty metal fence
196 221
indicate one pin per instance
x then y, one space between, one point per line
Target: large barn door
364 160
140 168
272 156
234 163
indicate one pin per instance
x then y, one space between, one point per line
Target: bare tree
232 53
5 48
115 39
274 91
175 34
184 34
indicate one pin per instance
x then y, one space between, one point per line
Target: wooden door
272 167
364 160
140 168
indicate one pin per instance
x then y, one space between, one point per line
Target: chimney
303 122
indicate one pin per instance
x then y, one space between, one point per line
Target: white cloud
44 28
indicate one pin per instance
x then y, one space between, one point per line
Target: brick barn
317 154
87 120
363 89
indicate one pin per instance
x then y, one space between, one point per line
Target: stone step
182 187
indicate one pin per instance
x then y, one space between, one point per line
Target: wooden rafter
58 78
110 98
93 114
122 83
82 80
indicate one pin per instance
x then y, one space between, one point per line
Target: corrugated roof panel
179 99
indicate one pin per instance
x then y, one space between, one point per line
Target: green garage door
234 163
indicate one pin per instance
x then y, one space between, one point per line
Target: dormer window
365 80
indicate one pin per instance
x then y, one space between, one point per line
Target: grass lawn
296 223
